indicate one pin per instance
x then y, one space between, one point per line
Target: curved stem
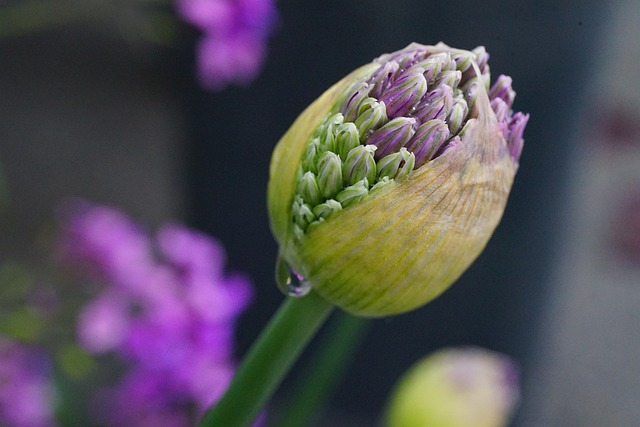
268 361
325 369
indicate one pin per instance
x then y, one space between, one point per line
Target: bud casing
400 241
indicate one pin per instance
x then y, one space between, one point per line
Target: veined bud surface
389 185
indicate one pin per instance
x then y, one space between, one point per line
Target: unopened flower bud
400 163
323 210
359 164
383 78
371 115
427 140
310 156
347 138
352 105
327 133
329 174
302 213
434 64
463 60
457 115
392 136
436 104
308 189
353 193
502 89
404 94
450 78
388 235
456 388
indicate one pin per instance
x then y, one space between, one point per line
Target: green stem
327 366
268 361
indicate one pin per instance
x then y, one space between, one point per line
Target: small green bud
382 182
456 388
302 213
326 132
407 164
310 156
391 165
347 138
329 174
353 193
372 114
324 210
308 189
457 115
359 164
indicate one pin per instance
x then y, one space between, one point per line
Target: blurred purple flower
233 44
168 312
26 394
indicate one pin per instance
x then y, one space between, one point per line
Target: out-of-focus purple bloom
233 44
26 394
169 314
106 241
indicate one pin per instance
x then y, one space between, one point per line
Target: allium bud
413 156
456 388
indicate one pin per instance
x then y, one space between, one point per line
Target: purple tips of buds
383 78
350 108
502 89
404 94
392 136
482 58
516 129
427 140
435 105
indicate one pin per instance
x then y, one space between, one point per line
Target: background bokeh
88 111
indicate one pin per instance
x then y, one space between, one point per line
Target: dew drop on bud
290 282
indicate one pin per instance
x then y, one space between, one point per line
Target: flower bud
404 93
371 115
359 164
388 235
392 136
347 138
308 189
396 165
329 174
456 388
427 140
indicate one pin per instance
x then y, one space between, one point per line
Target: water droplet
290 282
296 285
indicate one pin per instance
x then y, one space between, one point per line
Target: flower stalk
268 361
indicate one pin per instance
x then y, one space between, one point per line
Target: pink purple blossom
234 37
27 396
167 310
